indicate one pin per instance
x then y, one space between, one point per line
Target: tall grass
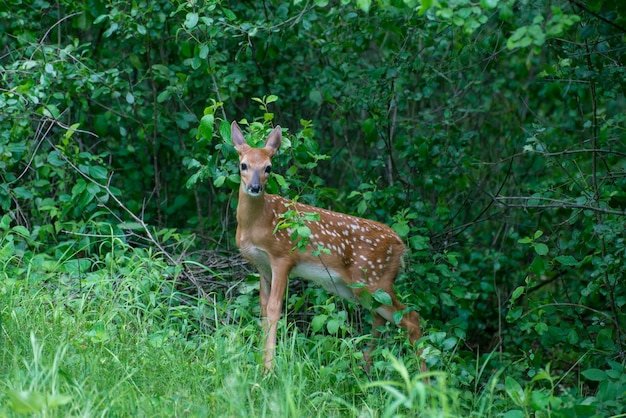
118 339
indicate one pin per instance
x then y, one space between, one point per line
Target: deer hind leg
410 321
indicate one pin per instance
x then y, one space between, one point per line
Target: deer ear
237 137
272 143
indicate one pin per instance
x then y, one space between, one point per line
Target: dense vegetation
490 134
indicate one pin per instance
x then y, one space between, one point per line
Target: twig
581 5
571 305
554 204
32 157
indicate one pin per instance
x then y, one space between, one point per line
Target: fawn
363 254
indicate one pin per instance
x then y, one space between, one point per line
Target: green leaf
191 20
111 30
366 299
514 314
5 222
100 19
419 242
541 328
595 375
163 96
517 293
382 297
206 126
303 231
229 14
401 228
489 4
364 5
204 52
219 181
362 207
280 180
519 38
98 173
567 260
540 400
71 130
515 391
77 266
55 159
397 317
332 326
449 343
23 193
452 259
21 230
425 5
540 248
133 226
318 322
357 285
225 131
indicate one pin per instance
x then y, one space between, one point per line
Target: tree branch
582 6
552 204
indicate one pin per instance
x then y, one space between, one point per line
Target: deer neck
251 209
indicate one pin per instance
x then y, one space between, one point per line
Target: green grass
118 339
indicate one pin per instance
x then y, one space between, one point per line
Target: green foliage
542 397
540 31
296 223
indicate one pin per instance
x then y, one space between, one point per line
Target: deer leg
264 292
264 296
410 321
280 276
377 322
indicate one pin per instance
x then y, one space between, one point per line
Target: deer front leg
377 322
273 308
265 285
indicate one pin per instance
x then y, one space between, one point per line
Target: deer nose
254 188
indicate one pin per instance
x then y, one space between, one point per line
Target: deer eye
268 169
244 166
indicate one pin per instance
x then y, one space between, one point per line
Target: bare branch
552 204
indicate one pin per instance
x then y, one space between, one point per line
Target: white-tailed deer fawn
363 254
